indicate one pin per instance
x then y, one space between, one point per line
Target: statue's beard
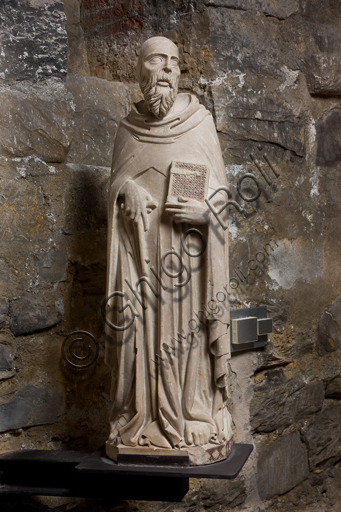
159 99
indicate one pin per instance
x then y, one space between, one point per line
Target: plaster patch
314 180
233 230
295 261
311 134
234 169
240 76
308 216
290 78
217 81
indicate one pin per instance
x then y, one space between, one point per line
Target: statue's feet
197 433
115 428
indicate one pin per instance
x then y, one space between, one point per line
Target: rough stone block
30 315
324 13
282 465
329 331
280 399
77 61
4 271
239 44
34 44
30 406
322 436
24 214
322 65
6 358
278 8
328 135
275 8
323 74
219 492
258 118
333 389
55 502
52 266
7 354
3 311
99 107
36 119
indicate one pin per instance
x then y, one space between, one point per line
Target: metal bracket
249 328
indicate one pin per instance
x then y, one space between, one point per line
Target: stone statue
167 317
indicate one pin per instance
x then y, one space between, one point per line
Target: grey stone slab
280 399
3 311
329 330
322 63
282 465
4 271
239 43
77 60
7 353
325 13
6 374
276 8
323 74
243 5
30 405
24 218
333 389
322 435
327 38
260 118
30 315
99 107
6 357
52 266
34 42
36 119
328 135
218 492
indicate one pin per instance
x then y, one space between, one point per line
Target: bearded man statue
166 314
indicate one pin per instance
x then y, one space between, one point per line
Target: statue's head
158 74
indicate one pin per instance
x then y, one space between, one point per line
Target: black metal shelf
81 474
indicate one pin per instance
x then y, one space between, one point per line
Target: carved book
188 180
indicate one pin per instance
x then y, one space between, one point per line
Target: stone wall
269 71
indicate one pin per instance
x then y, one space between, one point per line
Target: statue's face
164 65
160 75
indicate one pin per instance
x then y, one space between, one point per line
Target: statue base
194 455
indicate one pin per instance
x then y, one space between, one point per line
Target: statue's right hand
137 203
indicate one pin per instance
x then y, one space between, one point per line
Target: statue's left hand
187 210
